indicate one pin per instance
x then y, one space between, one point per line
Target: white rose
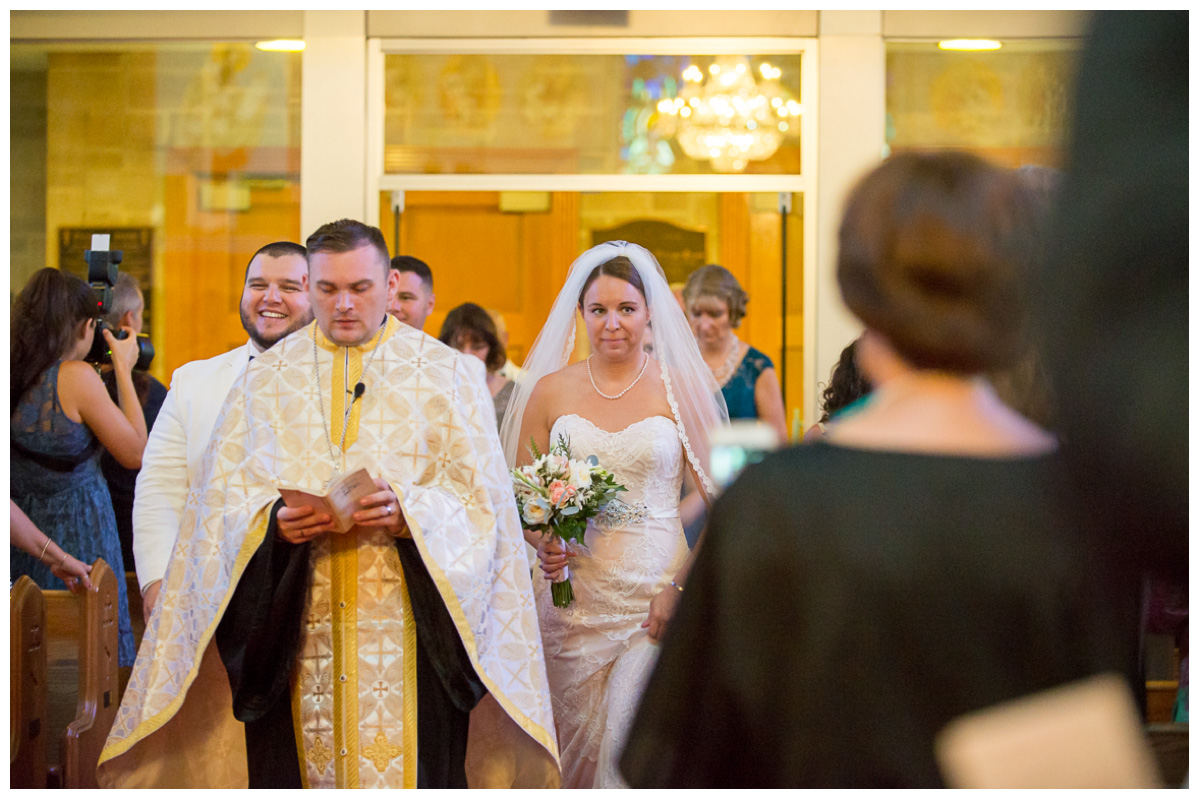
581 474
535 513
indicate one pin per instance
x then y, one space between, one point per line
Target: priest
404 653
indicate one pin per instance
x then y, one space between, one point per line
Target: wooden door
512 261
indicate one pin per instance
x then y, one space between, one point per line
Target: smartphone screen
732 449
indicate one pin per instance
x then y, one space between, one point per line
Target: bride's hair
619 267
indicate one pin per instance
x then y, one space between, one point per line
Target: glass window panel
1009 105
592 114
188 152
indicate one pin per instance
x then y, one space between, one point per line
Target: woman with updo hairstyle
856 595
61 419
470 329
646 418
716 304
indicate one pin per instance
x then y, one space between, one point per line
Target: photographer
60 417
126 312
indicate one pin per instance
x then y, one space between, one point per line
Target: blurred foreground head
934 252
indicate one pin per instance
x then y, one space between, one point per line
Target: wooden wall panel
512 262
205 254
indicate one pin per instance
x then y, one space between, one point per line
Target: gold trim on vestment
411 742
250 544
446 589
271 432
298 731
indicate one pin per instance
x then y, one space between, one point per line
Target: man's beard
267 344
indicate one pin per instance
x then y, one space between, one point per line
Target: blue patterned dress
71 507
739 389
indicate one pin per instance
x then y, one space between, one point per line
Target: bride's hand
662 608
553 557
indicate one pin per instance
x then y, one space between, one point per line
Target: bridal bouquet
557 495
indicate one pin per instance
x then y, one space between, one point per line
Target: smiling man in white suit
274 304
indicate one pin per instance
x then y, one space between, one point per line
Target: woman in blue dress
61 420
715 304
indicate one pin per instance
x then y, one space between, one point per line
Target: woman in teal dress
61 420
716 304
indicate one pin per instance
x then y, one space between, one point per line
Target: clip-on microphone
360 389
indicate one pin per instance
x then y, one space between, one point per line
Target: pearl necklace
731 360
619 394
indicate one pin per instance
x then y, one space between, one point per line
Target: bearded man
274 303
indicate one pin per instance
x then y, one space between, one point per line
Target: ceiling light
969 44
281 45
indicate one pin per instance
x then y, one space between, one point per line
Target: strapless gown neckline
598 656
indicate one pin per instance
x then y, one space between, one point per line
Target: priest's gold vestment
425 424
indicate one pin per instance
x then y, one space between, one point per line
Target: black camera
102 276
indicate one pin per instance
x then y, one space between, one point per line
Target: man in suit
413 299
274 304
126 310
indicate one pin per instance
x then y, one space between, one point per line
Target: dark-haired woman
848 389
61 419
856 595
469 329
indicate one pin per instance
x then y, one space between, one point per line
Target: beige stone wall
27 187
1010 105
101 168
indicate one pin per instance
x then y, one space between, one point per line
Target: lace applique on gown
598 657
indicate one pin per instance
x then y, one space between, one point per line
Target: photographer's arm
124 356
121 430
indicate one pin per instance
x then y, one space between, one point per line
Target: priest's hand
298 525
382 510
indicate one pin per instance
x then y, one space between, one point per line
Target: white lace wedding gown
598 657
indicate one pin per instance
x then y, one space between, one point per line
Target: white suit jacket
171 460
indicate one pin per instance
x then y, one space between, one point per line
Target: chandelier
729 118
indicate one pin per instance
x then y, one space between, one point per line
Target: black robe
259 642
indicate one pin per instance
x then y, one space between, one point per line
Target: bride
647 420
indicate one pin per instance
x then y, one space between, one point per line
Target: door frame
802 188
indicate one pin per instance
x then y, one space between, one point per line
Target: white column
333 119
850 139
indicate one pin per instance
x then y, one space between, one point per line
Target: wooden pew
1160 701
83 628
27 687
1169 742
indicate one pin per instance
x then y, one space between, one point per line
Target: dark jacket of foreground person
848 604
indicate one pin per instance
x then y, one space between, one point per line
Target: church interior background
498 145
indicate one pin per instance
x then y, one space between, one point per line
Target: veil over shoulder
692 392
